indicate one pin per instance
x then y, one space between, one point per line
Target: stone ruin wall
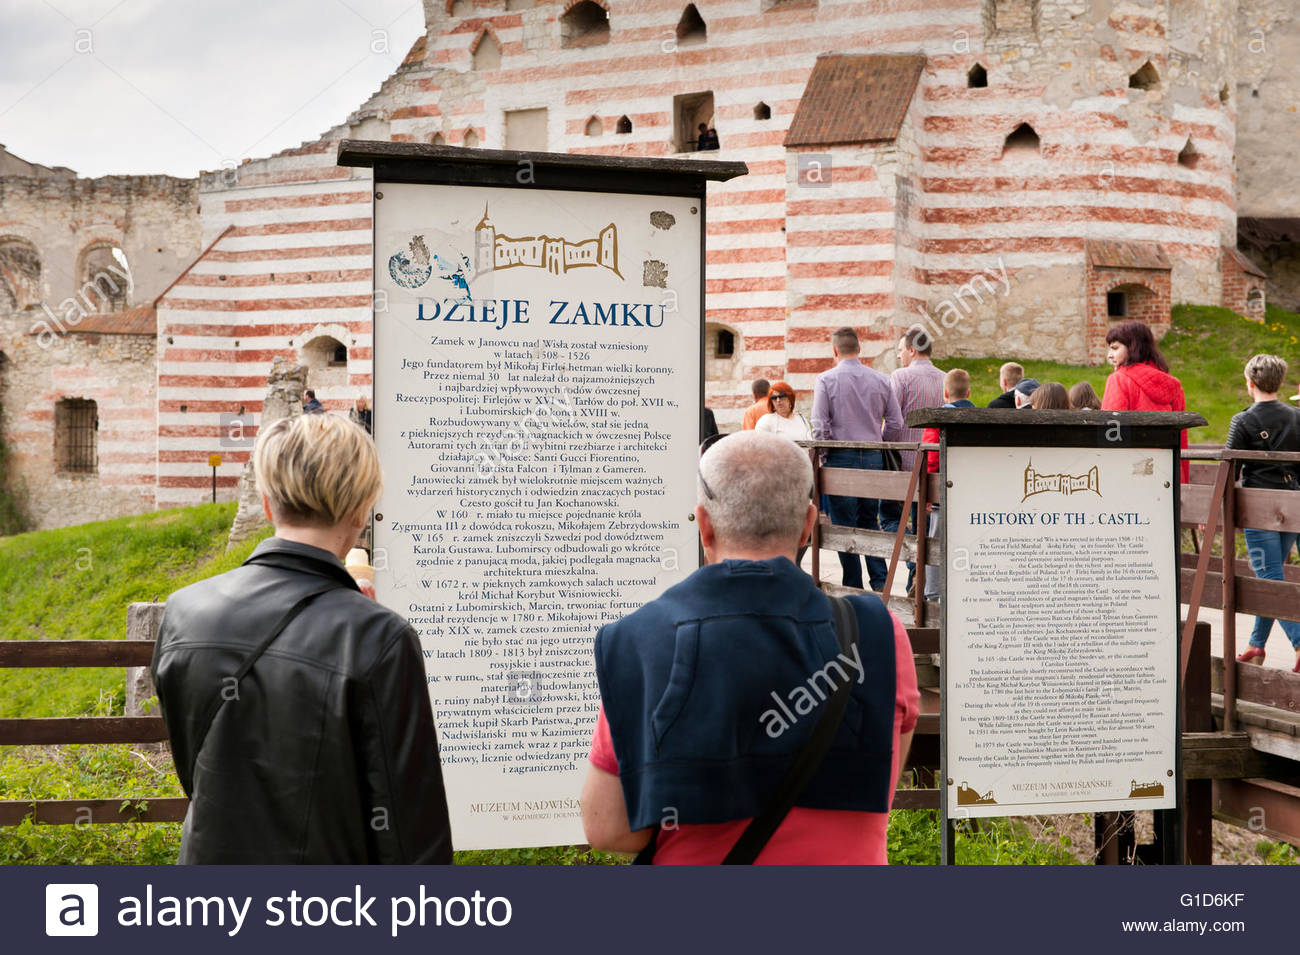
1267 97
154 220
115 371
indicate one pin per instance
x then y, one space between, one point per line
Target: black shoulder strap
805 765
215 707
809 760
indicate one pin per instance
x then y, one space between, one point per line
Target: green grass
88 772
914 840
1207 349
75 583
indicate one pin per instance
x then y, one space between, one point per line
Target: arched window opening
594 126
487 53
762 111
624 126
722 348
1146 78
76 436
1022 142
1188 156
462 8
469 138
978 77
326 359
1255 303
438 139
584 24
691 28
105 277
20 275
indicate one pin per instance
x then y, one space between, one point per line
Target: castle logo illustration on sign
495 251
1036 483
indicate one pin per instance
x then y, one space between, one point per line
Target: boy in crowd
1009 376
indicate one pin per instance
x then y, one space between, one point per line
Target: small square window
1116 305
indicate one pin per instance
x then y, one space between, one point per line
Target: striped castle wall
938 222
288 261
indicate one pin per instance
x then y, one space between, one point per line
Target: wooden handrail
75 653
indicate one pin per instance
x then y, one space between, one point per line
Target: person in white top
783 419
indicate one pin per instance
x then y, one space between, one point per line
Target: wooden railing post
1202 566
816 542
922 540
142 623
1229 564
902 525
1198 794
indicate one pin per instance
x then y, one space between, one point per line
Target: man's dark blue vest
712 689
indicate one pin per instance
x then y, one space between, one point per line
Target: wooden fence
59 731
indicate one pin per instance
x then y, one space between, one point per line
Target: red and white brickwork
289 263
941 217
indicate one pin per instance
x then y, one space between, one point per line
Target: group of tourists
744 715
854 402
300 718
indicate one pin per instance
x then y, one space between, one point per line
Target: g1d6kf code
1213 900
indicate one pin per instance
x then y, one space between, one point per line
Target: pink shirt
806 836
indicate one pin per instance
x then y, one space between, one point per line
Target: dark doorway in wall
1116 305
978 77
689 111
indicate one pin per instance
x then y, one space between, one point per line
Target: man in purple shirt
915 384
849 403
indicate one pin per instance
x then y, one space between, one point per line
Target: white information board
537 378
1061 617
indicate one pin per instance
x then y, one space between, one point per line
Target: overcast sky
179 86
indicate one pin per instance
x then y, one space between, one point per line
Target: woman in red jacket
1141 381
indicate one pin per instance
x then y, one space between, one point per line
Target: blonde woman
297 706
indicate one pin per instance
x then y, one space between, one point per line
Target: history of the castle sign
537 414
1062 630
